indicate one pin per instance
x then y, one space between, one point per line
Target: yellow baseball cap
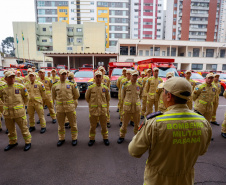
124 69
142 73
148 70
9 73
156 69
29 70
210 75
32 73
53 70
128 71
71 74
98 73
134 73
216 74
179 87
188 71
18 72
169 74
63 71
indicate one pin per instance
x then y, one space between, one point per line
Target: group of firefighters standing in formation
37 91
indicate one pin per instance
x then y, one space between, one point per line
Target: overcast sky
15 10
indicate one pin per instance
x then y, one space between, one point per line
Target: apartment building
194 20
57 37
222 22
188 55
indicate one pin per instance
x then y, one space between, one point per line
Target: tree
8 46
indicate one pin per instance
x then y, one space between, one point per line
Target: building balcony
199 15
40 43
204 1
181 6
197 36
70 33
199 8
180 21
198 29
180 14
198 22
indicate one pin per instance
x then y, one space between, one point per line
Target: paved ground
48 164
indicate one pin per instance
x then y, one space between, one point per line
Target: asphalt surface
45 163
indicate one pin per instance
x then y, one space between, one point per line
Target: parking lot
46 163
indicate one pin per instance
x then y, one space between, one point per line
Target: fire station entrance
76 60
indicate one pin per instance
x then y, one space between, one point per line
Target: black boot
27 147
74 142
106 142
91 142
54 121
38 122
31 129
120 140
120 124
6 132
142 117
132 123
43 130
215 123
0 129
9 147
48 114
66 125
60 142
108 125
98 124
117 110
223 135
45 107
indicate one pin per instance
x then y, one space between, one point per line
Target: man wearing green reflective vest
204 96
98 97
174 139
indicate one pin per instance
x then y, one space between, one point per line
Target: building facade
188 55
57 37
222 23
194 20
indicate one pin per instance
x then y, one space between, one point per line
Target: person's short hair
177 100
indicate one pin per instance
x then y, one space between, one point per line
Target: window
72 2
224 67
44 40
63 19
103 19
222 53
148 23
92 3
41 20
41 12
79 40
148 11
151 51
112 35
102 11
211 67
50 40
197 66
52 3
132 50
175 12
196 52
92 18
124 28
173 51
157 51
92 10
124 20
63 10
41 3
112 28
70 29
163 53
79 29
113 43
209 52
70 39
147 53
69 48
140 52
43 29
123 50
124 35
189 54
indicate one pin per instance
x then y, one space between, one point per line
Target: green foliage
7 46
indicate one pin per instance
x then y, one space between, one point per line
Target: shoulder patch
154 114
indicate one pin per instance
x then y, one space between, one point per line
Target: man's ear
169 96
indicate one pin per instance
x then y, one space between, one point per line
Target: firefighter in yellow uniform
3 79
174 140
106 81
36 91
48 98
151 87
123 81
54 77
144 95
192 82
14 97
19 78
223 126
98 97
26 78
159 93
118 86
1 106
141 79
49 74
131 97
216 102
65 94
204 96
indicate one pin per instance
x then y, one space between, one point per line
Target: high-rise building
147 19
222 22
194 20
